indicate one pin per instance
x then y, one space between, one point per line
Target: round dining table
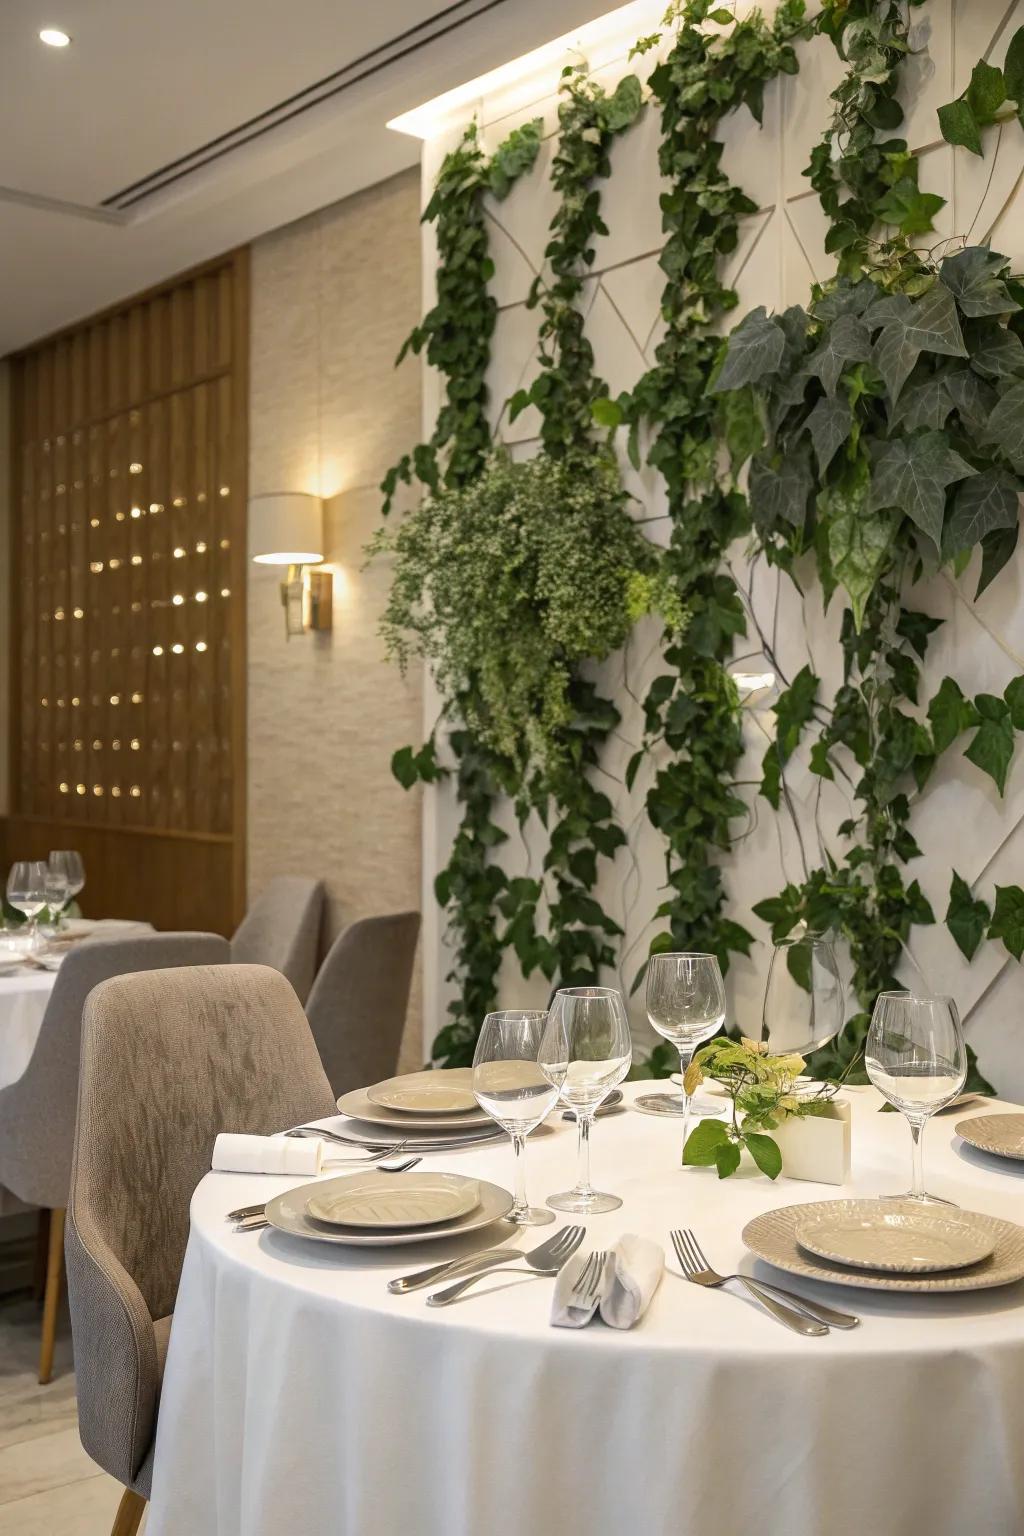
301 1396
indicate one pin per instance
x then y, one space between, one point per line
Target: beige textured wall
333 296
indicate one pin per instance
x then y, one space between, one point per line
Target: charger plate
287 1213
416 1138
1000 1134
773 1237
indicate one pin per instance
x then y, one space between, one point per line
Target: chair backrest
357 1007
37 1113
169 1059
282 929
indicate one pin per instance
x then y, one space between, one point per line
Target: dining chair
282 929
169 1059
37 1113
358 1003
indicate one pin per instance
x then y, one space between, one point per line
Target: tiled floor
48 1485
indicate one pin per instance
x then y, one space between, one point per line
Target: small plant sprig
761 1089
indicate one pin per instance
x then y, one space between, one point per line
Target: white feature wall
959 822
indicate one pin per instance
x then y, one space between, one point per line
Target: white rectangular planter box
817 1147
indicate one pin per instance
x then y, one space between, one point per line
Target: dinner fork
588 1281
246 1214
306 1131
545 1260
483 1260
817 1309
697 1269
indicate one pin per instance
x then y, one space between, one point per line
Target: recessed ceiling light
53 37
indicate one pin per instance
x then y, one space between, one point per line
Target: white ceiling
145 83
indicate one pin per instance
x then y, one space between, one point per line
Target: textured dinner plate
868 1235
287 1213
448 1091
773 1237
373 1200
1001 1134
416 1137
359 1104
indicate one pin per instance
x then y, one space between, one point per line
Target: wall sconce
287 528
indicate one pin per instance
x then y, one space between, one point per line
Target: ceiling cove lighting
53 37
523 81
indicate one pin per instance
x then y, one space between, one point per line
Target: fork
303 1131
588 1281
482 1261
696 1268
559 1249
817 1309
246 1215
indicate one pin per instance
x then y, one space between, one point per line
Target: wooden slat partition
129 450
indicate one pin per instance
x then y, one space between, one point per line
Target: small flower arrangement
762 1090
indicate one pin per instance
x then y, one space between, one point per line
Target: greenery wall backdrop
859 451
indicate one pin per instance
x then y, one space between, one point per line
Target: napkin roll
632 1273
234 1153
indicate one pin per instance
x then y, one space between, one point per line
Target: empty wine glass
916 1057
803 998
585 1052
56 894
509 1084
26 891
685 1004
71 863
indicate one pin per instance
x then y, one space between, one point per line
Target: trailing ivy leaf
847 340
516 155
991 749
973 278
915 627
846 298
950 714
624 104
996 549
923 405
908 208
754 349
911 475
781 491
704 1142
744 434
765 1153
793 710
1006 426
606 412
770 787
858 539
973 398
986 92
403 767
966 918
1013 693
959 125
988 500
928 324
1013 69
829 424
994 350
1008 919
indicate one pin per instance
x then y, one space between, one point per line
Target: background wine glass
585 1052
686 1005
26 891
916 1057
71 863
803 998
56 894
509 1084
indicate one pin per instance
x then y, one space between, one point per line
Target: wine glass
74 869
916 1057
803 999
585 1052
56 894
509 1084
686 1005
26 891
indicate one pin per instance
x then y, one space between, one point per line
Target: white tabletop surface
301 1395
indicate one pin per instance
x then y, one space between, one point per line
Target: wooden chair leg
129 1513
42 1246
51 1299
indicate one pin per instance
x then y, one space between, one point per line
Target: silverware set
543 1261
794 1311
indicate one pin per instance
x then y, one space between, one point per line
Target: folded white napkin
632 1273
267 1154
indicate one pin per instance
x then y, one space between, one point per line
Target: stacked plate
1002 1135
377 1210
430 1111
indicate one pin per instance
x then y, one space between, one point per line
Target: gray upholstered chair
169 1059
37 1113
357 1007
282 929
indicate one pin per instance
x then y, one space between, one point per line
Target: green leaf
991 749
966 918
754 349
973 278
703 1143
1013 693
829 424
1013 68
908 208
958 125
988 500
727 1159
986 92
846 340
765 1153
996 549
607 413
779 492
624 104
916 627
514 156
928 324
403 767
1008 919
994 350
858 540
911 475
950 714
1006 426
741 419
923 405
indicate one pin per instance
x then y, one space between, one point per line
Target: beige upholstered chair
357 1007
37 1113
282 929
169 1059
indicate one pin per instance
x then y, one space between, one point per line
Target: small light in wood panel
63 787
158 650
135 468
200 597
115 790
177 599
200 645
135 792
179 553
136 511
177 649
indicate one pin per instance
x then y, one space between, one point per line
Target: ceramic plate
1001 1134
417 1138
445 1092
773 1237
866 1234
287 1213
359 1104
375 1200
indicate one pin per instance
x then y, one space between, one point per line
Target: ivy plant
992 96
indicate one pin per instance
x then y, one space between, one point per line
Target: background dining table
301 1396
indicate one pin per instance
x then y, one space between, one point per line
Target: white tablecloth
301 1397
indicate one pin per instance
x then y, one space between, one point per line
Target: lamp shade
286 528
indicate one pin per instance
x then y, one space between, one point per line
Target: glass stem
521 1204
685 1057
583 1123
917 1158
